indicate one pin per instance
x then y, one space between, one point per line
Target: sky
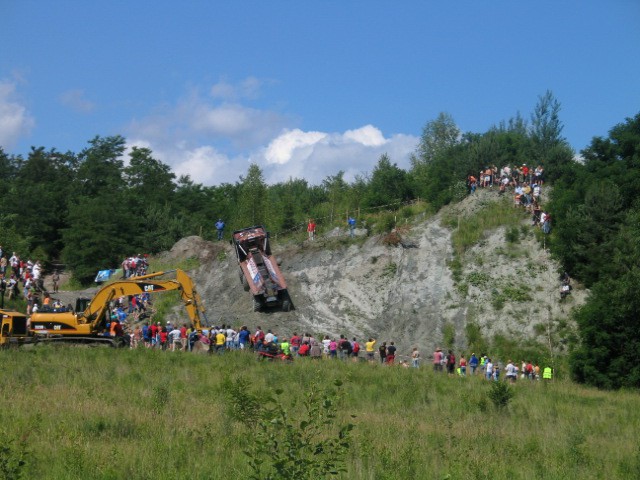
305 89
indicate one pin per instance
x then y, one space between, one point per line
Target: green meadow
100 413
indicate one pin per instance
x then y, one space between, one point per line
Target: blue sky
306 88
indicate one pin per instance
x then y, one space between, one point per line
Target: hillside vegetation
100 413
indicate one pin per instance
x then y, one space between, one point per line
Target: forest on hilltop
91 209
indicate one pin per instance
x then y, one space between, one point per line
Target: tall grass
103 413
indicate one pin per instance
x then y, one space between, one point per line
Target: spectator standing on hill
382 351
473 363
55 278
472 183
463 366
391 353
355 349
437 360
370 349
220 228
451 362
352 226
295 341
333 349
311 229
315 351
489 369
511 372
415 357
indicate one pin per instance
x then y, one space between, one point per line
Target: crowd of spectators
19 276
135 266
487 368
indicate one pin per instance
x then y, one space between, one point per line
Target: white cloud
368 135
282 149
215 143
316 155
15 119
76 100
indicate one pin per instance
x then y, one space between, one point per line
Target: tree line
91 209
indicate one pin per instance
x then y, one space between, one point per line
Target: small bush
385 223
478 279
390 270
500 394
12 460
449 335
512 235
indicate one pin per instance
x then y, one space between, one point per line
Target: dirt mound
194 247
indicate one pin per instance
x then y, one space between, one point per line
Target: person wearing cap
220 228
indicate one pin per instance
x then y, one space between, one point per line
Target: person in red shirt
295 343
311 229
304 349
164 337
183 337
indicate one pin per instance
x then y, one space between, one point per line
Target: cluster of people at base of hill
526 185
19 275
267 344
488 368
135 266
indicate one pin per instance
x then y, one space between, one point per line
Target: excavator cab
82 303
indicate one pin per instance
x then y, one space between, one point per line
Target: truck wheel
257 305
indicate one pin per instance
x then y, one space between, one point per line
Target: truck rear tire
257 305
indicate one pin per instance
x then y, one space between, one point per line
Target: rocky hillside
406 293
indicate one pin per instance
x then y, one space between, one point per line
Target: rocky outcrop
404 292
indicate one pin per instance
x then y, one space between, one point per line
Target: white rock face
400 293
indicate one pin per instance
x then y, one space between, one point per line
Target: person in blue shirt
352 226
473 363
220 228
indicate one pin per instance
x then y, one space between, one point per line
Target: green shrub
287 444
500 394
449 335
478 279
512 235
385 223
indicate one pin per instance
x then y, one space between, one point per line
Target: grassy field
76 412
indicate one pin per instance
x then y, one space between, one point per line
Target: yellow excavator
88 322
14 328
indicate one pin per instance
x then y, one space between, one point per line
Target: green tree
437 137
149 181
99 236
548 146
387 185
43 188
252 205
336 190
100 166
